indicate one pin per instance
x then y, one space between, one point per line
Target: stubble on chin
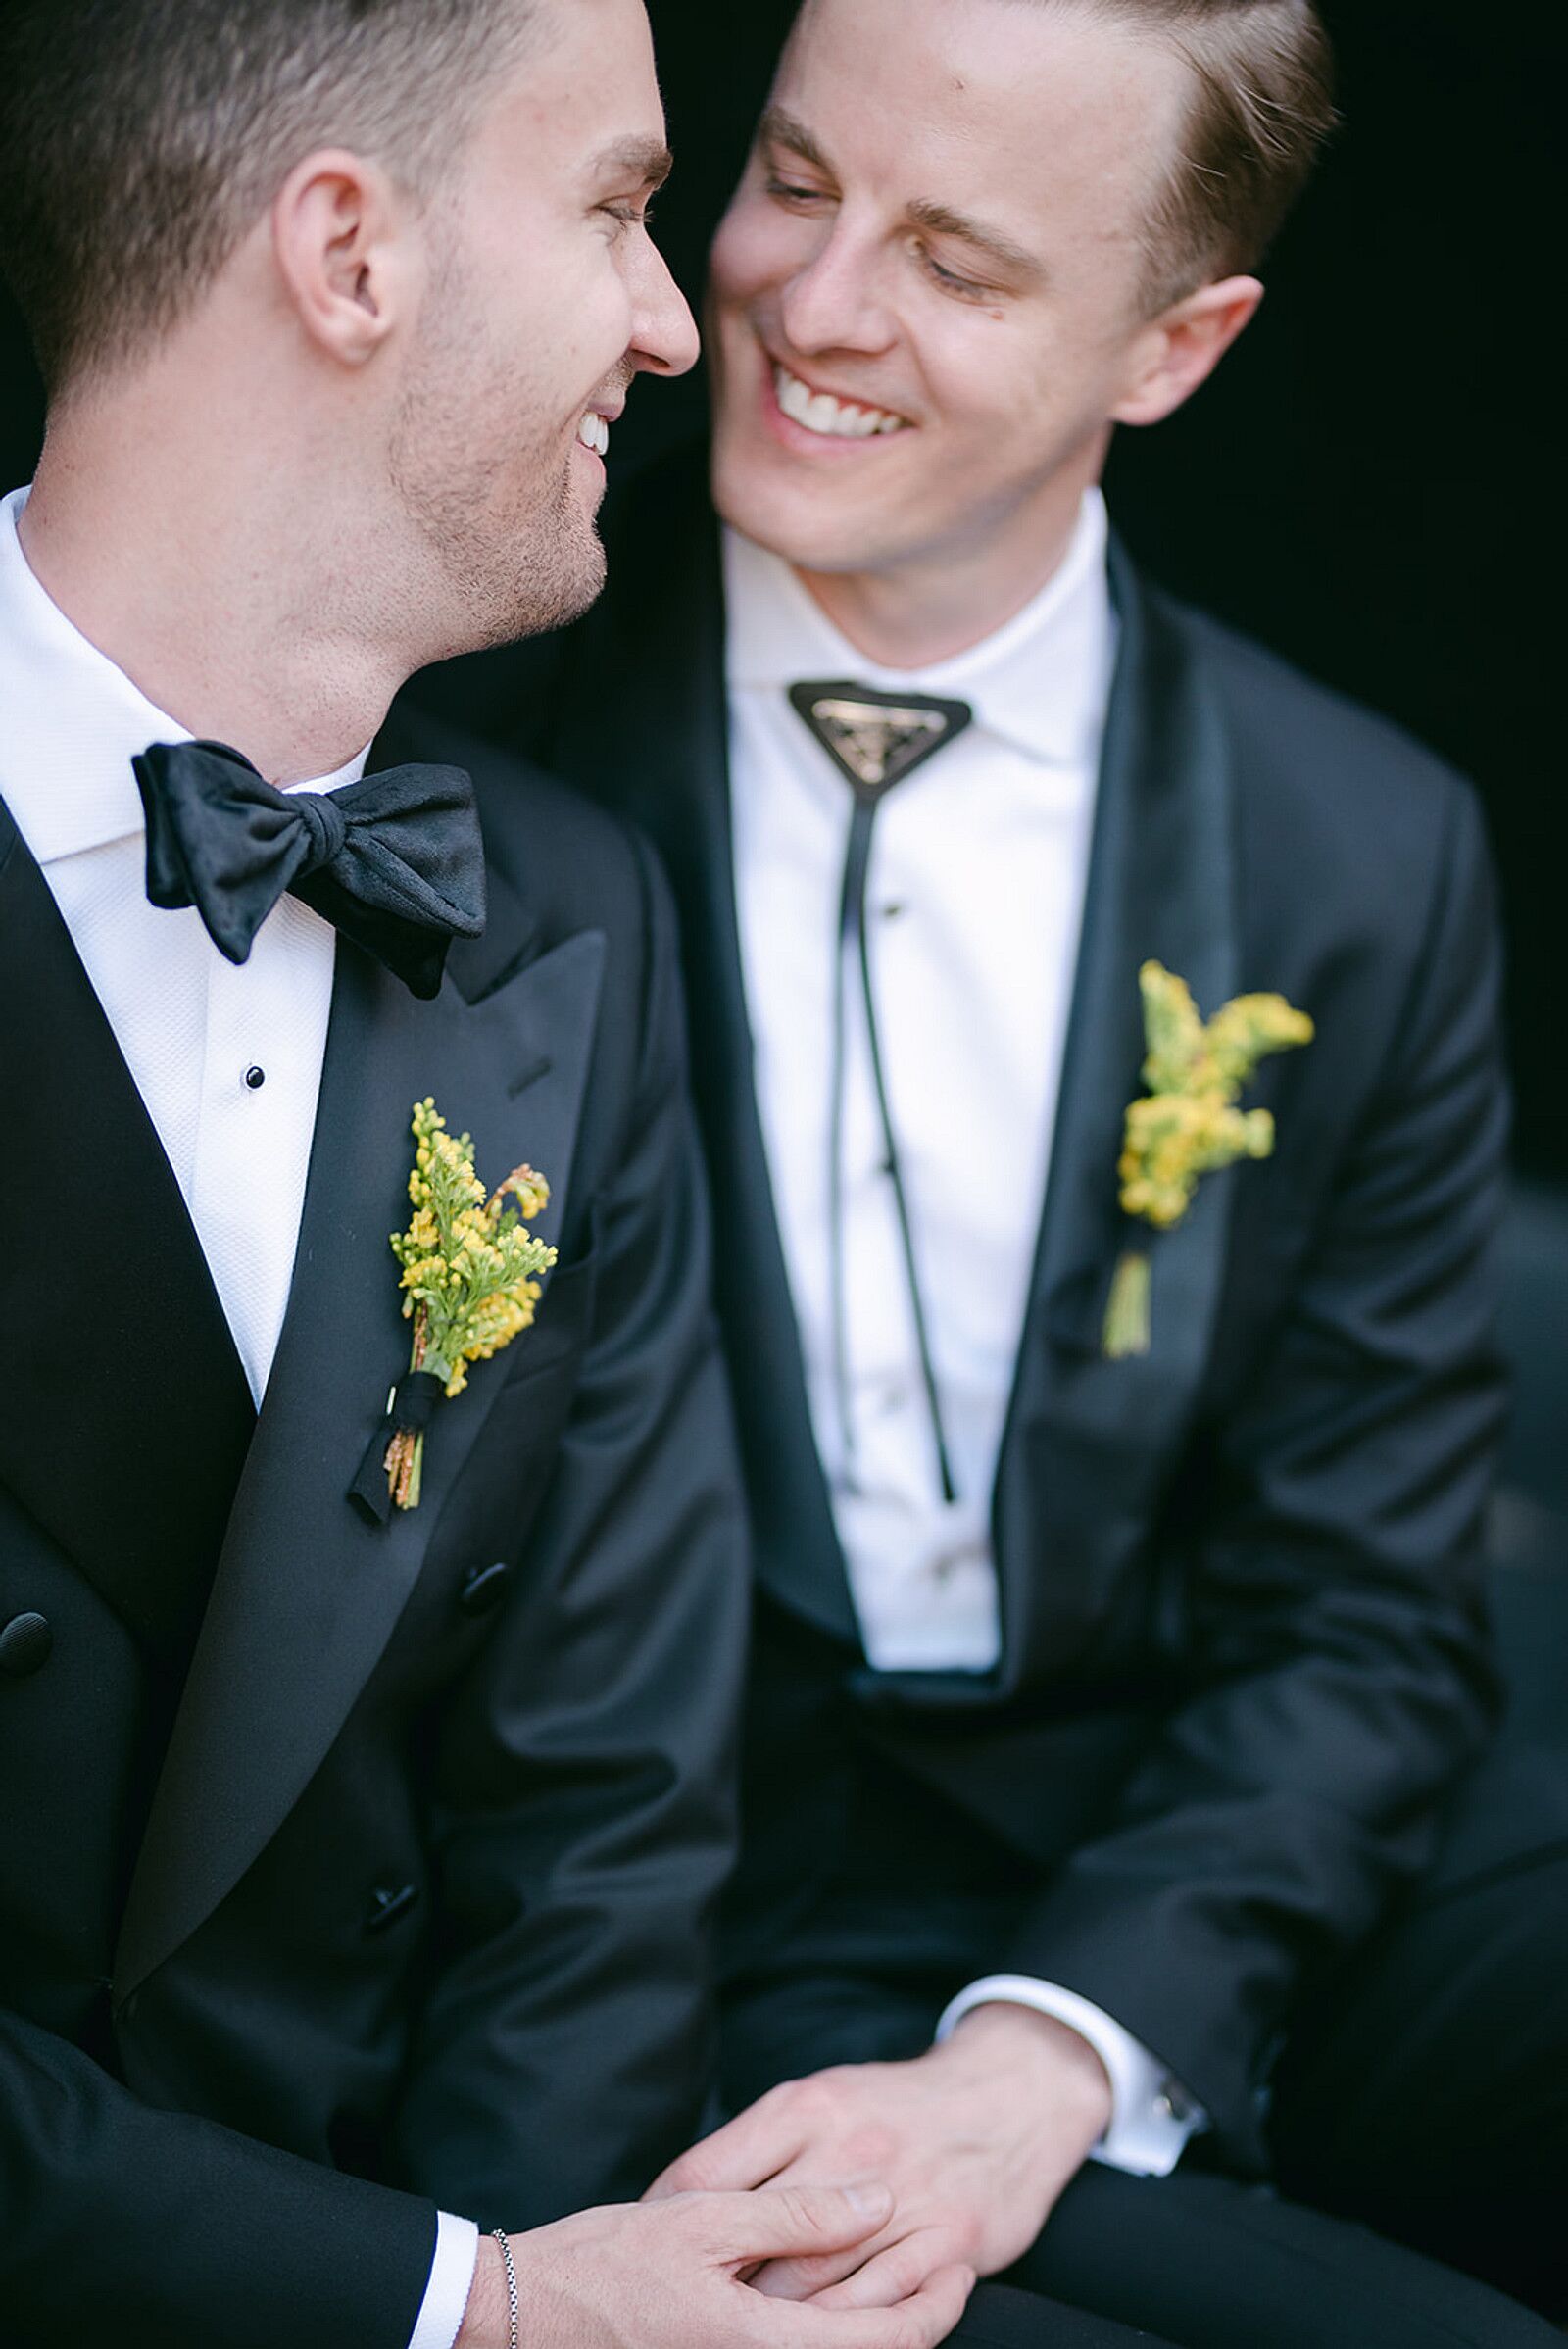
506 565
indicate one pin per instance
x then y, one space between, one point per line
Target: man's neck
212 587
911 617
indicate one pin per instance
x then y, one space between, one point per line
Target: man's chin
579 599
549 596
805 530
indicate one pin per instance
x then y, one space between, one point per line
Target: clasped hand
673 2275
976 2138
848 2211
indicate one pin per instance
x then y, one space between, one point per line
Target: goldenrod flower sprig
1188 1125
471 1272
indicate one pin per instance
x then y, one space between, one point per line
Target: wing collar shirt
976 893
228 1060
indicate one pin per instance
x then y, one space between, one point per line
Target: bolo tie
876 740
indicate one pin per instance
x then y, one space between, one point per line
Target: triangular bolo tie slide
875 739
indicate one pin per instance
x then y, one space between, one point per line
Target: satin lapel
1089 1439
308 1591
124 1409
658 746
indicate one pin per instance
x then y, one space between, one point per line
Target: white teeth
593 433
831 419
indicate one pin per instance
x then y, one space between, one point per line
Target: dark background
1365 484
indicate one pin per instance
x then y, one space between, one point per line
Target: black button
388 1904
26 1647
483 1587
256 1078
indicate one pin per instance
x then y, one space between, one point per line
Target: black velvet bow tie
395 862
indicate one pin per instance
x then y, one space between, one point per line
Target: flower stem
1127 1316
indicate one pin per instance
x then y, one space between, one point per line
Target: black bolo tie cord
853 946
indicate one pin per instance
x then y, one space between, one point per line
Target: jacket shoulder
1312 733
1344 820
1350 835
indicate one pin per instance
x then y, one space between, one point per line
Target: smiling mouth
831 419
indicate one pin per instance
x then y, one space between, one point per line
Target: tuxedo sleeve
119 2222
1333 1678
584 1811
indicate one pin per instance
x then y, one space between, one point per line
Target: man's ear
1180 350
340 240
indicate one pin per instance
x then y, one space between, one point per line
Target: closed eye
970 289
789 191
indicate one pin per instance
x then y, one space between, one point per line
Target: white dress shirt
228 1060
975 901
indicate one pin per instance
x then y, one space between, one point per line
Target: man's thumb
794 2221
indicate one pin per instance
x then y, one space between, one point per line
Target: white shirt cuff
446 2295
1152 2116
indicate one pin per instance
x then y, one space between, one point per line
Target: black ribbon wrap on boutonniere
411 1407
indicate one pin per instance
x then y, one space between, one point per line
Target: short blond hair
1261 108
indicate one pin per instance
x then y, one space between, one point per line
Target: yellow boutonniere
469 1275
1188 1124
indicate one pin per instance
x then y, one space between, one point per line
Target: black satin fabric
394 861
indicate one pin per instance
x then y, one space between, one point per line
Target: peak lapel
1088 1438
124 1414
307 1592
658 750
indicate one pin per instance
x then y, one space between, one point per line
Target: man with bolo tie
1096 1034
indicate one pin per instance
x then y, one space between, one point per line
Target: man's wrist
484 2320
1051 2062
1152 2115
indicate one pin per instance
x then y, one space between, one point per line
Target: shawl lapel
1088 1439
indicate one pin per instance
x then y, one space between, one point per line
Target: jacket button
483 1587
26 1647
390 1902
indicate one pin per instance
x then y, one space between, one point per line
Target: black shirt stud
26 1647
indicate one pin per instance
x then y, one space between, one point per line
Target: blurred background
1366 487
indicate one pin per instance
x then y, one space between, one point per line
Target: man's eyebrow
942 221
780 129
644 160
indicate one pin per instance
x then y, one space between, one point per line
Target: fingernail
871 2201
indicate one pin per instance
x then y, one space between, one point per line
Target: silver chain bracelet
513 2312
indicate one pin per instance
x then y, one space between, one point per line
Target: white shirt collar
1040 682
70 722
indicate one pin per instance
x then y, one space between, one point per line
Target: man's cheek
759 248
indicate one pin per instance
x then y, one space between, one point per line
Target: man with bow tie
358 1833
1119 1659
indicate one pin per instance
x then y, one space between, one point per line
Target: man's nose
835 302
665 340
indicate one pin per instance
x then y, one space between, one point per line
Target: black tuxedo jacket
350 1871
1243 1649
